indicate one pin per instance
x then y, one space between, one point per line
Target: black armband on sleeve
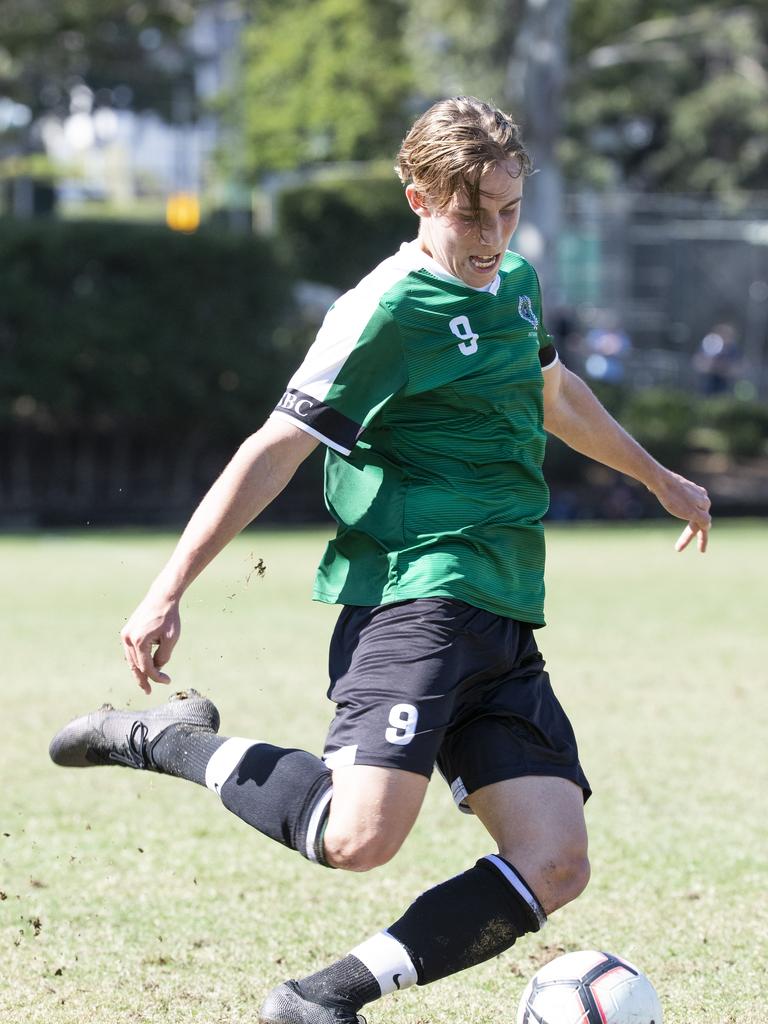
547 355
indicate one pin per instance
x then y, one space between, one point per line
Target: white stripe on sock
387 961
225 760
314 823
519 886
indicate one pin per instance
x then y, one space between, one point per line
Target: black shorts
437 681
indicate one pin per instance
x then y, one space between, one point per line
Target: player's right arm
257 473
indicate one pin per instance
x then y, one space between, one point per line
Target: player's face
468 248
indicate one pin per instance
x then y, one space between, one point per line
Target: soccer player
431 384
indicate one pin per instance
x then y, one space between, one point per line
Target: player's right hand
148 639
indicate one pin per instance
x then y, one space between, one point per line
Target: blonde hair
453 144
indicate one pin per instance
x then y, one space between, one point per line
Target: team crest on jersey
525 309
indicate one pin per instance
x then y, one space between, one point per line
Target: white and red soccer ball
589 987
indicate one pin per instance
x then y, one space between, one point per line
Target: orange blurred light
182 212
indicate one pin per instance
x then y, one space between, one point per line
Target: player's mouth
485 264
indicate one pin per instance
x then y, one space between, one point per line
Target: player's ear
416 201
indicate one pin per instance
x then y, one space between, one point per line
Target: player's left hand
686 500
691 531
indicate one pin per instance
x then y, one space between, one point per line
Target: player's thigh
372 811
538 824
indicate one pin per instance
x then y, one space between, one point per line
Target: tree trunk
535 79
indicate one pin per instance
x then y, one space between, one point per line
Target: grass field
129 898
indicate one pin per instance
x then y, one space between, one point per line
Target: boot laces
134 755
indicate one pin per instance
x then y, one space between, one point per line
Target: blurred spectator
606 347
718 359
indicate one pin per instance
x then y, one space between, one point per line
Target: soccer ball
589 988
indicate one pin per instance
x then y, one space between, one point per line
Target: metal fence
665 289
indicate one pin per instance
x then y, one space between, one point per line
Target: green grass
131 898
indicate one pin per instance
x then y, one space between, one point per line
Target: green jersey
428 394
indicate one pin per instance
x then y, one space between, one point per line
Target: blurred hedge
134 357
677 425
336 231
740 429
117 325
720 442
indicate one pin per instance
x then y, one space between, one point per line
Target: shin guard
470 918
283 793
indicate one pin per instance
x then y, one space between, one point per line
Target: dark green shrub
335 232
661 420
612 396
132 362
742 425
133 327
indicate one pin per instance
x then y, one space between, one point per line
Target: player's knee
566 877
556 878
575 876
359 851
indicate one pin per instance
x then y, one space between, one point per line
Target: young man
432 385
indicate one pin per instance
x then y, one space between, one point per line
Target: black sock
184 751
347 983
468 919
282 792
455 925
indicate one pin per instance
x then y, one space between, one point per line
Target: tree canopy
657 94
669 95
126 51
321 81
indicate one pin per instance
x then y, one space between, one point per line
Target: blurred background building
153 154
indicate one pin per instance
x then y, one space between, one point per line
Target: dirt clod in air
259 567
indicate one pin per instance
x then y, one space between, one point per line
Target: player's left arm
574 414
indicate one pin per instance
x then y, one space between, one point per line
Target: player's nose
492 232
